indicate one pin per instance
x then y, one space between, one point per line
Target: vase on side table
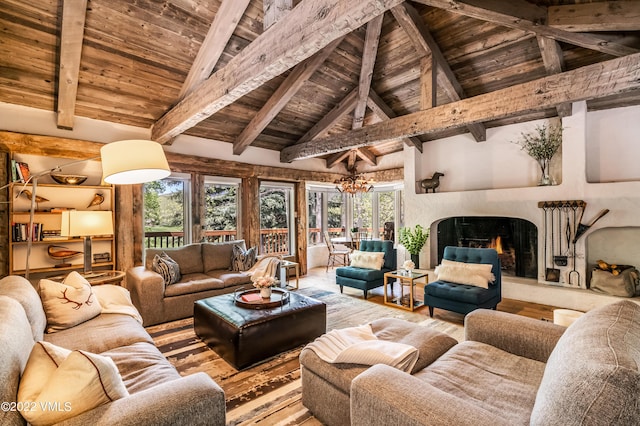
265 292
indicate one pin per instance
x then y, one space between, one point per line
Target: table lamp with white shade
87 224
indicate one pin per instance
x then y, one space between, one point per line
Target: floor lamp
123 162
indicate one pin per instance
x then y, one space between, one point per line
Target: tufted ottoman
326 386
243 336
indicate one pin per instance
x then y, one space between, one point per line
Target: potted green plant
542 145
413 239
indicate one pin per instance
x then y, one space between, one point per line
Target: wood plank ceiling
337 79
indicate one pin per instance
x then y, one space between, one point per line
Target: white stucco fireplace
598 163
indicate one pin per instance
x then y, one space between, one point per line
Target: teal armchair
367 279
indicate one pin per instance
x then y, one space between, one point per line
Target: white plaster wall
512 191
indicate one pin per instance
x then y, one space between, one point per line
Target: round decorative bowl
68 179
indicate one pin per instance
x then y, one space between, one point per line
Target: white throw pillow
367 259
68 303
58 384
476 274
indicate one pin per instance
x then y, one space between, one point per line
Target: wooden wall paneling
125 229
5 162
250 209
301 226
198 207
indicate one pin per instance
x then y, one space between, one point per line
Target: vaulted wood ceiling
327 77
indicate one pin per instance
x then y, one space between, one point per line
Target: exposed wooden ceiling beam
72 34
599 16
367 156
384 112
310 26
409 19
283 94
351 159
428 98
342 108
512 14
554 63
336 158
223 26
611 77
274 10
369 54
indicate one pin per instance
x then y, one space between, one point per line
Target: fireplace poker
574 271
552 274
560 259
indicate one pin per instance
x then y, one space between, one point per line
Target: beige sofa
205 270
513 370
157 393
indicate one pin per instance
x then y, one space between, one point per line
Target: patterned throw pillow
68 303
242 260
167 267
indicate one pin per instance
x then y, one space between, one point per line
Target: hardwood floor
319 277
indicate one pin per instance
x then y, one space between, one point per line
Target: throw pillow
367 259
167 267
474 274
58 384
68 303
242 260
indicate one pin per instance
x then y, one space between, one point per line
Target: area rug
270 392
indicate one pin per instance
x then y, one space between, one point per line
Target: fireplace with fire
515 240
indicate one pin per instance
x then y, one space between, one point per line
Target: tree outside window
164 213
221 212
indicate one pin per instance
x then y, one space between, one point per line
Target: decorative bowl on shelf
68 179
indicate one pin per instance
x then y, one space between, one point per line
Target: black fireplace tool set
565 217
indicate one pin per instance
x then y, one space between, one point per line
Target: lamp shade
76 223
133 161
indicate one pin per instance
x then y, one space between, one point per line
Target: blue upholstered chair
366 279
464 298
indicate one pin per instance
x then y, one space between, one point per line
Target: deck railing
272 241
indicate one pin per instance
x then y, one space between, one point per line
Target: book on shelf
20 171
20 232
101 257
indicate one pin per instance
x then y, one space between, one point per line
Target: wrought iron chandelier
353 184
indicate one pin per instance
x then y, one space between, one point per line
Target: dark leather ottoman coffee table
244 336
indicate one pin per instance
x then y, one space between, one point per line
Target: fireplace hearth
515 240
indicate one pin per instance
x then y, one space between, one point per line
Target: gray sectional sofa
158 395
512 370
205 270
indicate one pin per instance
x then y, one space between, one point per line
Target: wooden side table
406 279
97 277
286 265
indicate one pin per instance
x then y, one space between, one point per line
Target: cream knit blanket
358 345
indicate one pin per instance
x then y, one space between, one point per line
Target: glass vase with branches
541 145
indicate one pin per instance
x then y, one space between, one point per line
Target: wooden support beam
369 53
334 159
518 14
351 159
274 10
71 36
554 63
428 84
221 30
310 26
300 220
283 94
409 19
607 78
384 112
598 16
367 156
342 108
250 215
